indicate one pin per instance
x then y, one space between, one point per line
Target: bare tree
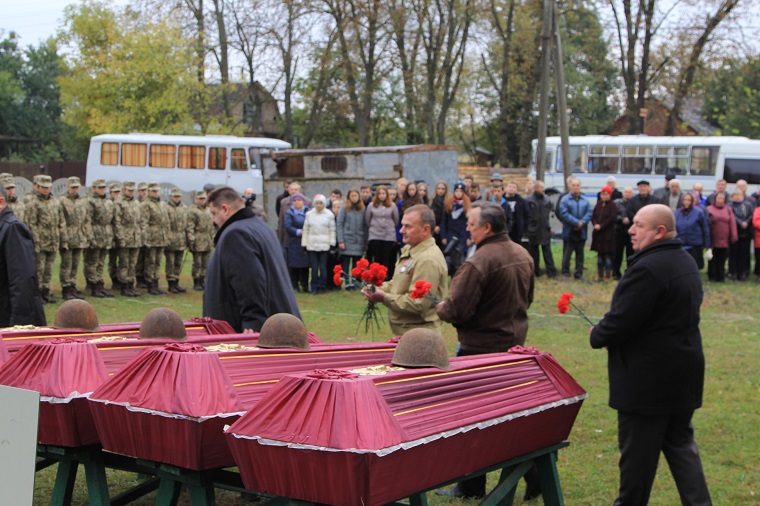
689 67
406 33
360 41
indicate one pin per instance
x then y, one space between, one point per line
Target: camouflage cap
8 181
142 186
115 187
154 186
99 183
45 181
176 192
5 175
200 194
73 182
128 185
36 179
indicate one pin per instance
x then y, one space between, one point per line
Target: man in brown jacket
490 296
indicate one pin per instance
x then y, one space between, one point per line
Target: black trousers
384 253
716 268
739 258
568 248
622 245
546 250
641 438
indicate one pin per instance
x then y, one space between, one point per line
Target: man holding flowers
420 259
655 361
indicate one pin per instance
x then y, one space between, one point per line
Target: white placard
19 414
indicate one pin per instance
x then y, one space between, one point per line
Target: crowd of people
126 225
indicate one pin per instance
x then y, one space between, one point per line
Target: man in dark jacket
20 301
539 231
490 296
247 280
622 239
655 362
520 213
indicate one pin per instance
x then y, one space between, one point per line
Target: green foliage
126 73
29 98
732 97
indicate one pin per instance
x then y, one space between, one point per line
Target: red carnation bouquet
370 275
422 289
566 302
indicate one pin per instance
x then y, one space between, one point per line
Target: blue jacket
571 211
692 227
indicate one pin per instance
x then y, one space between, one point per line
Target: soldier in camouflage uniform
100 233
142 194
114 191
127 237
200 238
154 223
13 201
44 217
177 243
75 215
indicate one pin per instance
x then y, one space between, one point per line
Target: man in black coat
20 300
655 362
247 280
539 231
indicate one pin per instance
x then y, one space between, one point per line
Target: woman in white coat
318 237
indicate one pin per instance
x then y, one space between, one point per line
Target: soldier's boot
172 286
77 291
126 290
153 289
197 285
135 293
115 284
47 297
67 293
94 291
141 283
179 288
102 290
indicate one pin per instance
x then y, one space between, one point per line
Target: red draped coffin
65 370
170 405
337 438
4 356
16 338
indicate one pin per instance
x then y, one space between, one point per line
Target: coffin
66 370
16 338
4 356
338 438
170 405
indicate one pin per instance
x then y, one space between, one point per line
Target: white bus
186 161
631 158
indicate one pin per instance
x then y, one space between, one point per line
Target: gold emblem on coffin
230 347
376 370
24 328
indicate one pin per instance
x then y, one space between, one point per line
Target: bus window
109 153
578 159
134 155
604 159
737 168
237 159
255 156
162 155
192 157
703 161
671 160
637 160
217 158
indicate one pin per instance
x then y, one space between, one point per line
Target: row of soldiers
133 231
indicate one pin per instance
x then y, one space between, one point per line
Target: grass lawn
726 426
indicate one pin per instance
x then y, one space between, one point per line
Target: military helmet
421 348
283 330
76 314
162 322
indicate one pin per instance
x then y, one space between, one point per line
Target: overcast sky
34 20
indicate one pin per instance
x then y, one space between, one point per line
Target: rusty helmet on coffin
283 330
76 314
421 348
162 322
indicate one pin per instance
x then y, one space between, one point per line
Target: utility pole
551 49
